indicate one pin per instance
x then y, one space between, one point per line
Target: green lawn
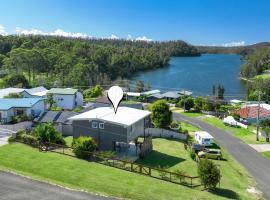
266 154
247 135
79 174
187 113
170 154
189 127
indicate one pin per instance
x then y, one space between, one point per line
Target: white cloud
129 37
234 44
57 32
143 38
113 37
3 30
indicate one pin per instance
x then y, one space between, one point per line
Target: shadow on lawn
158 159
226 193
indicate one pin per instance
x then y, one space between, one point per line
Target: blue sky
195 21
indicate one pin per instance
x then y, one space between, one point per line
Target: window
101 125
94 125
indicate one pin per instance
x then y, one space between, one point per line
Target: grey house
109 129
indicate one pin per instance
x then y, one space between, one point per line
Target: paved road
13 187
258 166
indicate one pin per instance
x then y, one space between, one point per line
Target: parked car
210 153
198 147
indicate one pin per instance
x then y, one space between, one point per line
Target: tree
93 92
50 100
161 115
48 133
187 103
83 146
140 86
265 125
209 173
220 92
16 81
14 96
198 103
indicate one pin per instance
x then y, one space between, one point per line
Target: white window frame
101 125
94 124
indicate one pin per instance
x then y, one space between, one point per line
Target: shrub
208 173
236 116
11 139
93 92
78 109
186 103
55 108
161 115
192 155
83 146
20 118
48 133
174 124
28 139
185 131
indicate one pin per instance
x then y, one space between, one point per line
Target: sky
198 22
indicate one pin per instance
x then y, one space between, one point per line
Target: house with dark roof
31 107
66 98
59 119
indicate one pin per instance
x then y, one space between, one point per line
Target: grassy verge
247 135
79 174
170 154
93 177
189 127
187 113
266 154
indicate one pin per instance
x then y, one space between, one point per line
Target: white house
66 98
203 138
20 106
5 92
40 92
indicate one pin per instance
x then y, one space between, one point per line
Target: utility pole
258 117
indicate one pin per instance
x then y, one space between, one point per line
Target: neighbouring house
40 92
150 92
31 107
204 138
7 91
109 129
171 95
59 119
66 98
135 95
154 97
249 112
185 93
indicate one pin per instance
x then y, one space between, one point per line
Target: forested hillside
241 50
59 61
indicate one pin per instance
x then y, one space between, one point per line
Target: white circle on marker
115 95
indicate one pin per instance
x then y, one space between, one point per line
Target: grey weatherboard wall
111 133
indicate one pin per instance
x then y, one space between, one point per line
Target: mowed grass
171 155
266 154
187 113
96 178
247 135
191 128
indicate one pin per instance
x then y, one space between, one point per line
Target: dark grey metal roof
56 116
172 94
98 105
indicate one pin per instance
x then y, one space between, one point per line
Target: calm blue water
198 74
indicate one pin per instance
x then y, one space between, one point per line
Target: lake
198 74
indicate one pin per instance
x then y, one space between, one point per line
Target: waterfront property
110 129
66 98
31 107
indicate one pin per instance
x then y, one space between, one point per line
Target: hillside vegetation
60 61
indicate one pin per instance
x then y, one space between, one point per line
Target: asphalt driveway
13 187
258 166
